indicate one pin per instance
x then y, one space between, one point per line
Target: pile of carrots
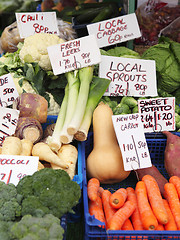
142 208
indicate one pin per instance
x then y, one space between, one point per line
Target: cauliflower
35 46
54 107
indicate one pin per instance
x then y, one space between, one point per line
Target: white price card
8 122
74 54
36 22
132 141
129 76
115 30
157 114
15 167
8 91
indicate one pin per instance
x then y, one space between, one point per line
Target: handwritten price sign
8 122
157 114
134 77
132 141
8 92
36 22
13 168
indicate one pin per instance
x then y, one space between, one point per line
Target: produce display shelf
92 229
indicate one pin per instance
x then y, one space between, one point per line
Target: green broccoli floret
37 228
10 201
49 190
4 229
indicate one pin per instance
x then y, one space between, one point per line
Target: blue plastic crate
92 229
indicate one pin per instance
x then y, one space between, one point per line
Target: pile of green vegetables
33 208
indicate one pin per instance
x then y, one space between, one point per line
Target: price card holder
8 122
115 30
75 54
132 141
8 91
15 167
133 77
157 114
36 22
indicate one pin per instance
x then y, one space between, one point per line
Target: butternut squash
105 161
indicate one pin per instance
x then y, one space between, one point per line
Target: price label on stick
157 114
75 54
8 91
15 167
132 141
36 22
134 77
8 122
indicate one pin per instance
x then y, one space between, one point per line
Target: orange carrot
173 200
135 217
109 211
148 218
171 225
160 227
155 199
121 215
176 181
96 209
127 225
118 198
100 191
92 188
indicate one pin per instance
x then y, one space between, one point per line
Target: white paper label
115 30
8 91
36 22
15 167
75 54
157 114
8 122
129 77
132 141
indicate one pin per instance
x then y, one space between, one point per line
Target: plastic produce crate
92 229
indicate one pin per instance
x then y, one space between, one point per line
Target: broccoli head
48 191
10 201
37 228
4 229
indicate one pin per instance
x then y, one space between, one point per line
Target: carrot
176 181
100 191
160 227
109 211
171 225
92 188
155 199
135 217
173 200
121 215
127 225
96 209
148 218
118 198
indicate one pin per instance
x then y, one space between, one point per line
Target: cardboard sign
115 30
8 122
74 54
8 91
157 114
14 167
36 22
134 77
132 141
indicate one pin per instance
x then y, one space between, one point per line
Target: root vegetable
44 152
29 128
40 166
11 146
32 105
27 146
172 154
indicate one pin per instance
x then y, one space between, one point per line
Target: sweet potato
172 154
154 172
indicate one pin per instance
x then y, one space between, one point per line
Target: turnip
172 154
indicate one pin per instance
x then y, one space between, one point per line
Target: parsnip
27 146
44 152
40 166
69 154
11 146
